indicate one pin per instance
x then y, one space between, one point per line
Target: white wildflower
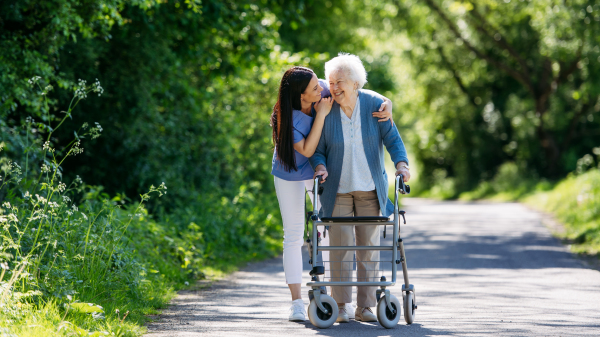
47 89
34 80
69 212
84 216
65 198
4 266
27 195
41 199
75 208
98 88
76 149
61 187
47 147
78 180
13 217
80 89
6 205
96 130
45 168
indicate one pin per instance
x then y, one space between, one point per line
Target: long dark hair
293 84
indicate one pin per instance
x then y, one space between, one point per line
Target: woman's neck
306 108
348 107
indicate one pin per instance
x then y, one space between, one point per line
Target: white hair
349 64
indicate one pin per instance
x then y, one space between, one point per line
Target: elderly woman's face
342 88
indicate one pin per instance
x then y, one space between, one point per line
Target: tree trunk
551 150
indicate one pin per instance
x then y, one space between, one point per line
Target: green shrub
575 202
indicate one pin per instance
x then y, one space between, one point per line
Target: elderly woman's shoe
365 315
343 316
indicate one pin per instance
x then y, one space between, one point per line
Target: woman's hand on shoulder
385 112
323 107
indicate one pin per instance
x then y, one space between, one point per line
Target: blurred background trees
481 89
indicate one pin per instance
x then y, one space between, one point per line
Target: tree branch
502 43
513 73
566 71
457 78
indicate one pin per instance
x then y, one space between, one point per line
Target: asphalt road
478 269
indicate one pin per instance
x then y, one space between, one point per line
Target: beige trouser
356 203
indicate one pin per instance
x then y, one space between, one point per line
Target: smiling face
312 93
343 89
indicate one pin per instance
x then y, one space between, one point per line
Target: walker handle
401 186
318 180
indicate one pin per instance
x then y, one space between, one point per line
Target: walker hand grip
318 180
401 186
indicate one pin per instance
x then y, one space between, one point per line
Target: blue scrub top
302 124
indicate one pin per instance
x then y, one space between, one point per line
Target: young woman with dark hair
297 121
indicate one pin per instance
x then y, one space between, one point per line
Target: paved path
479 269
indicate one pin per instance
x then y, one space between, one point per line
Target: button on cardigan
375 135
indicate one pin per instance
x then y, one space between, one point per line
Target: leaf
86 308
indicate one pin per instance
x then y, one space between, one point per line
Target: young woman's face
342 88
312 93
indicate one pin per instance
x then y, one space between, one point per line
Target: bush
575 202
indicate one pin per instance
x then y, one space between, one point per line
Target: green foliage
494 82
575 202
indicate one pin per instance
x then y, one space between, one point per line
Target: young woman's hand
385 111
323 107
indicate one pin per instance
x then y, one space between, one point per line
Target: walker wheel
409 307
385 316
320 319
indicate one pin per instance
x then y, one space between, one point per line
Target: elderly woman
350 159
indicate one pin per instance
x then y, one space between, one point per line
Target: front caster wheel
320 319
385 316
409 307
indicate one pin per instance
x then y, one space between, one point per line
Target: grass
575 202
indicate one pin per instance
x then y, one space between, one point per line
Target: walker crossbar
353 223
348 283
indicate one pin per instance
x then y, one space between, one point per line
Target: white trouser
291 196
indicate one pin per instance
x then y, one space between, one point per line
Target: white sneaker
365 315
297 312
343 316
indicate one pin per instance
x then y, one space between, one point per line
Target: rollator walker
323 309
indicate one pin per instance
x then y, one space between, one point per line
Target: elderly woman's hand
323 107
321 171
403 169
385 111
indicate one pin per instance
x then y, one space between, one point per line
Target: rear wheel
409 307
